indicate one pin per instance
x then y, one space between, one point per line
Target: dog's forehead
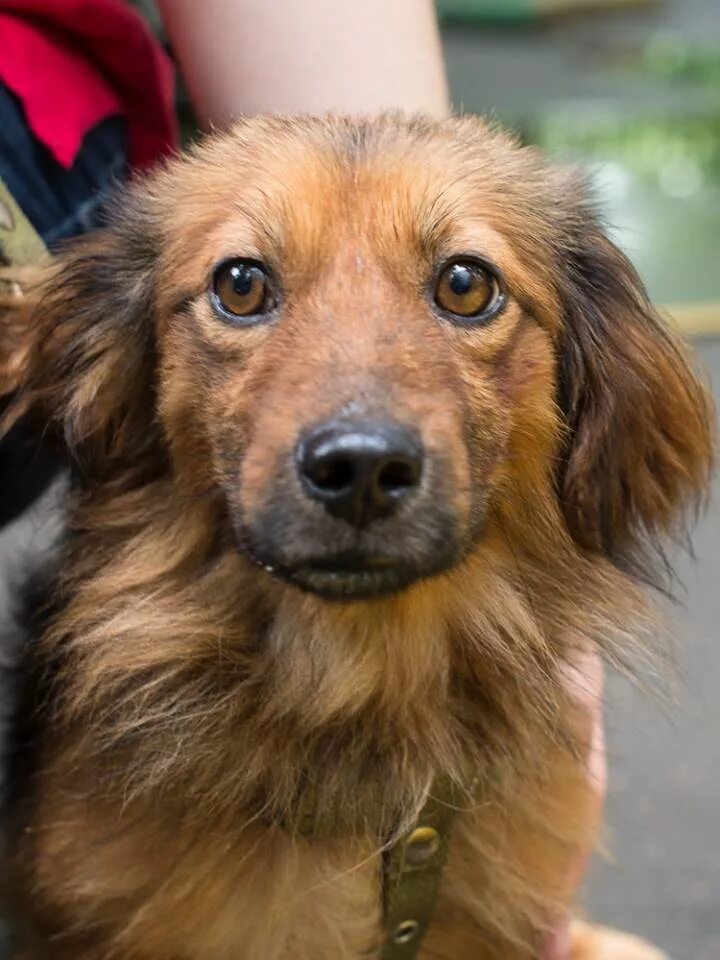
300 194
309 207
390 182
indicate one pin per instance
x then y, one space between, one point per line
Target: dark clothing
60 203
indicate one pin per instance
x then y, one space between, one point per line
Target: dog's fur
189 709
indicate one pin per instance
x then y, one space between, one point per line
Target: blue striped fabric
59 203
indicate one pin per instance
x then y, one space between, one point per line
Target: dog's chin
352 576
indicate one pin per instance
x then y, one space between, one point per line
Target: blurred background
632 91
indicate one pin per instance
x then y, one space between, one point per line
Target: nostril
397 476
332 474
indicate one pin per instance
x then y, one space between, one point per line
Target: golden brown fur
191 706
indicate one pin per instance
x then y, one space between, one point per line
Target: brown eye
468 289
241 290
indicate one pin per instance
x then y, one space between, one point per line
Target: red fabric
73 63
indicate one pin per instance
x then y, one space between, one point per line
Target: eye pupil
242 279
460 280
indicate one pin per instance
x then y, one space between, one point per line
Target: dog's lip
350 561
350 575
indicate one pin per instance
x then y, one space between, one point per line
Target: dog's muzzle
360 517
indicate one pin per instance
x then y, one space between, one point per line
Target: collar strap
413 872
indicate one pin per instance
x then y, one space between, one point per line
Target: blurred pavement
664 803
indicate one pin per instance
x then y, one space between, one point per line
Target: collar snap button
405 931
421 846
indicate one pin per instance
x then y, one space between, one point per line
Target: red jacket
72 63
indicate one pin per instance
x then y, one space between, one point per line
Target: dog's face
372 342
351 341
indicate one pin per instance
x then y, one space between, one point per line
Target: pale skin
289 56
295 56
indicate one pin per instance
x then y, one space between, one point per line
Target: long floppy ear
640 420
78 348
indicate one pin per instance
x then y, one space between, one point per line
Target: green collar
412 873
411 867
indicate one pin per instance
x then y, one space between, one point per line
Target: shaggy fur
189 708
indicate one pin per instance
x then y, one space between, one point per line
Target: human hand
583 679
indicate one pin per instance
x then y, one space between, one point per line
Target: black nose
360 470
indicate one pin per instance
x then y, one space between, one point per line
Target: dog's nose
360 470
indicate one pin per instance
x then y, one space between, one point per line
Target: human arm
284 56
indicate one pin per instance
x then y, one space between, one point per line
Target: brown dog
372 429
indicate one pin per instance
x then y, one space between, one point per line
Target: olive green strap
19 241
413 871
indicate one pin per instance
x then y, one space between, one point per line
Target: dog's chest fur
156 879
204 891
139 825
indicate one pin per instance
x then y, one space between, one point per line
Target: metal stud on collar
406 931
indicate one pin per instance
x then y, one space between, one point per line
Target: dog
372 431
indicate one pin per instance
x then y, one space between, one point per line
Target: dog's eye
468 289
241 289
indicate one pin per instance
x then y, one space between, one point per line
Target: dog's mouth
341 564
351 575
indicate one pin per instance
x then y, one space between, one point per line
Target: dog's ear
640 420
81 349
